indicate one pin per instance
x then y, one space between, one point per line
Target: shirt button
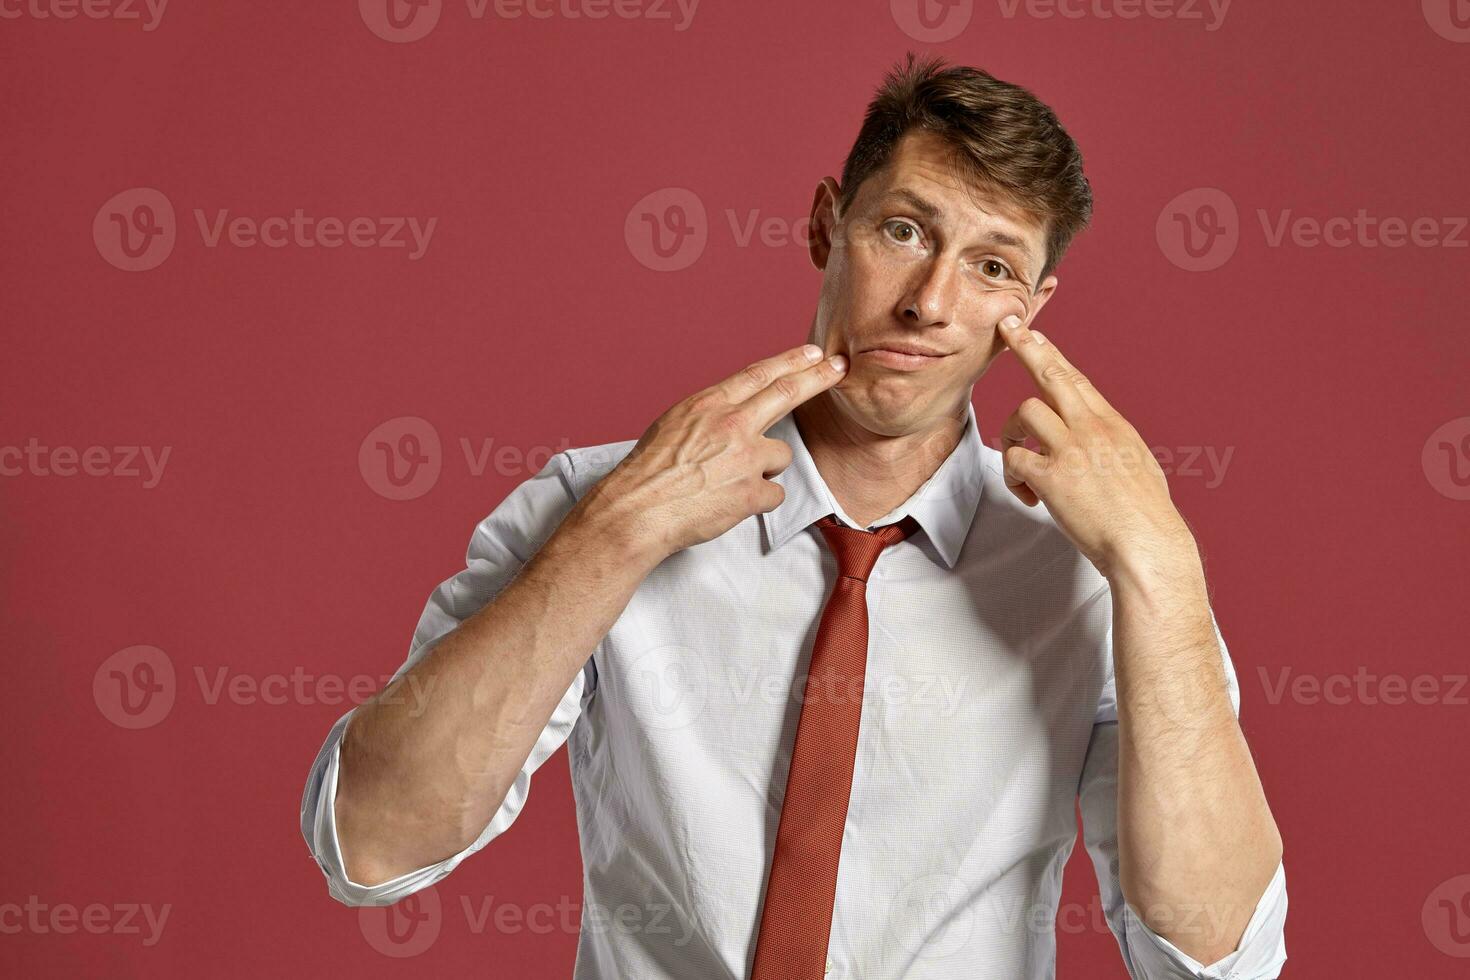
830 967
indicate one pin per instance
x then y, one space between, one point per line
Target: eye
901 231
994 269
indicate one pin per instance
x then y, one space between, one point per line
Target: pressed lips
902 355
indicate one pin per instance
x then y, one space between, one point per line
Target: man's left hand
1098 478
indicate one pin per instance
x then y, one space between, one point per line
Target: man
832 683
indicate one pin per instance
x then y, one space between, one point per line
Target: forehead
923 164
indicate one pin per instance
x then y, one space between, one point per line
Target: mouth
901 358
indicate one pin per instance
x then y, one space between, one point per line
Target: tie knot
857 551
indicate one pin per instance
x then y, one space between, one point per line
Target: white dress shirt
989 709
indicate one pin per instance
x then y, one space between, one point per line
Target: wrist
612 528
1170 562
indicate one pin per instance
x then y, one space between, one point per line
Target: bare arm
1194 832
420 777
1196 842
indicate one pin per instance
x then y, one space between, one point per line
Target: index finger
768 389
1066 388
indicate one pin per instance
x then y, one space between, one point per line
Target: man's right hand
704 465
417 783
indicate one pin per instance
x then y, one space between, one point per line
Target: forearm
426 763
1197 843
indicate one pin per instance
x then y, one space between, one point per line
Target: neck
871 473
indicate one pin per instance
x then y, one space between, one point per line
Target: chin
886 409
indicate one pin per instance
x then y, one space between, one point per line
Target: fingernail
1011 322
1040 337
838 362
812 352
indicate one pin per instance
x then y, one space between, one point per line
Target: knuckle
788 389
757 375
702 401
1056 373
732 423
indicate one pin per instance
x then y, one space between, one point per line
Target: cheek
857 270
993 305
996 303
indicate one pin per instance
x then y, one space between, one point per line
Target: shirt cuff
1260 955
328 853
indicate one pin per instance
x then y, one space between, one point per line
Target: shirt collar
944 506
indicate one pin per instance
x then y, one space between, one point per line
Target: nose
930 299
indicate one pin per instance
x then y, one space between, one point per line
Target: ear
1048 287
822 224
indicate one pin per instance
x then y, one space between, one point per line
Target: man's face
920 258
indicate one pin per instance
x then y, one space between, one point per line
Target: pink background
1335 537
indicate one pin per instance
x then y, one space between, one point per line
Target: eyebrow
932 212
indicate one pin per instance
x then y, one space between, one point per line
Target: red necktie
796 922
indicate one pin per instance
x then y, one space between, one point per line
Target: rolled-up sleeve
1259 955
501 544
1261 952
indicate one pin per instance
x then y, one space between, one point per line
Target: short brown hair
1002 135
